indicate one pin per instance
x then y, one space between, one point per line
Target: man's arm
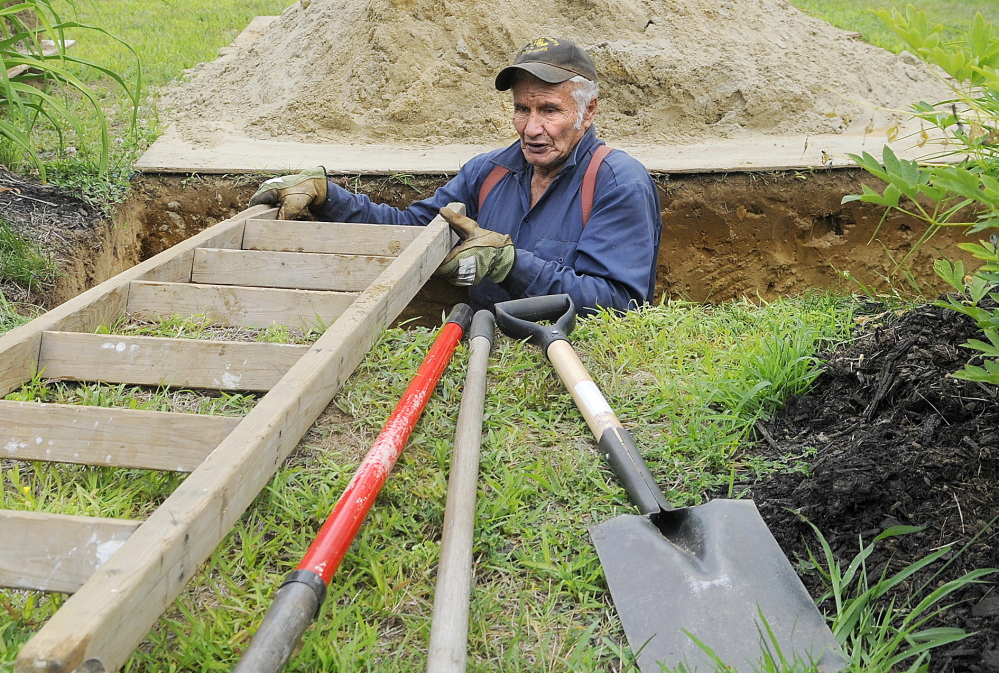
344 206
616 255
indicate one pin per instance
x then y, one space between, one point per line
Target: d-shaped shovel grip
519 318
615 442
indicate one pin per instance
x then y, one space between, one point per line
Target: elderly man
561 212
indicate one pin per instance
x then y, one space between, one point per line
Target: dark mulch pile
899 441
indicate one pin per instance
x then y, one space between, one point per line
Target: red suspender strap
590 180
495 176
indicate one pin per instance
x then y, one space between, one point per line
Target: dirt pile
421 71
899 441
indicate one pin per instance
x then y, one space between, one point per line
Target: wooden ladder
250 270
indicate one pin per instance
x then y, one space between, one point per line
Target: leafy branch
940 193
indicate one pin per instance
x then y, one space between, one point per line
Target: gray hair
584 92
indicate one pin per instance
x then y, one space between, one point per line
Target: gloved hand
294 193
480 254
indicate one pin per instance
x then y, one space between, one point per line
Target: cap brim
543 71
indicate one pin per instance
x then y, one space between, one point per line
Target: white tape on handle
591 398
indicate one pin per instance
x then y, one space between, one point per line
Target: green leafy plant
957 185
38 82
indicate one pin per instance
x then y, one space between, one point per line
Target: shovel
700 587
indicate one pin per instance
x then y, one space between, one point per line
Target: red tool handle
299 598
334 538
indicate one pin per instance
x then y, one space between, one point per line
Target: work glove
294 193
480 254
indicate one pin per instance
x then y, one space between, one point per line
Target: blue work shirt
611 263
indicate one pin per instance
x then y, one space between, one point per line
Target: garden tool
696 586
299 598
449 627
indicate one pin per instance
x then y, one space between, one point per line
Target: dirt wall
725 236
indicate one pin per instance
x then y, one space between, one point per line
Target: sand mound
422 71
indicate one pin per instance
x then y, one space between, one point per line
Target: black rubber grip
460 315
311 580
483 325
618 447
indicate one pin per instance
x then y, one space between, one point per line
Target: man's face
545 117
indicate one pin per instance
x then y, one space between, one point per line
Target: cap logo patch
539 45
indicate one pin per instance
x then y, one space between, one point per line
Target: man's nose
534 126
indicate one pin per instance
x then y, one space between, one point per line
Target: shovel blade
712 574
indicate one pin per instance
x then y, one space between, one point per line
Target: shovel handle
615 442
518 318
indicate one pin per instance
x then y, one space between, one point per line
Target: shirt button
527 218
559 260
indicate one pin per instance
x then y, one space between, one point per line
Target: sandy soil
672 71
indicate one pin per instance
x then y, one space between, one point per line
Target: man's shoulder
504 156
625 167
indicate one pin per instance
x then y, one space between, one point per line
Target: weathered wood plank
296 270
149 440
328 237
155 361
99 305
56 552
235 305
104 621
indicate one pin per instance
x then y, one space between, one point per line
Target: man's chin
546 159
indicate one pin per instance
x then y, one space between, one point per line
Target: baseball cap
550 59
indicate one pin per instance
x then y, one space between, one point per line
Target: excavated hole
725 236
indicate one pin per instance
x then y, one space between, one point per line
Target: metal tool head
713 573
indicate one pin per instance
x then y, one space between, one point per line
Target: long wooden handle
615 442
449 628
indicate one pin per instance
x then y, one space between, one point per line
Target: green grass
22 262
686 379
168 35
857 16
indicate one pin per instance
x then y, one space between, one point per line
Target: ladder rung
300 270
149 440
154 361
57 552
238 306
328 237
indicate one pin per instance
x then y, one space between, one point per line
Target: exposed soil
898 440
724 236
66 228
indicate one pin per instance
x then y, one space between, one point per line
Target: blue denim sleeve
615 258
